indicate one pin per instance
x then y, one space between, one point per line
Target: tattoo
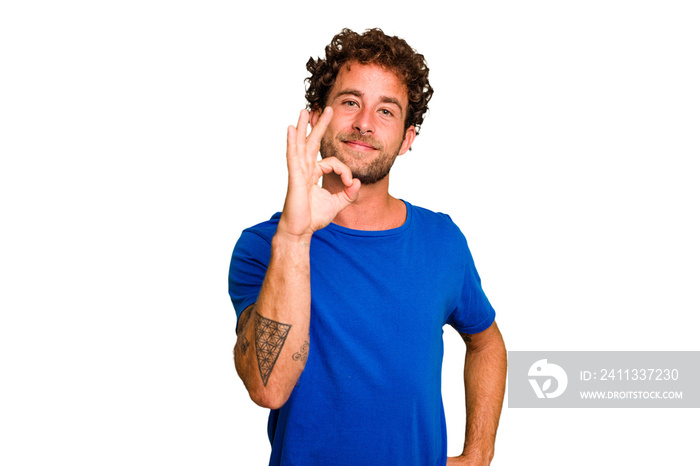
466 337
244 344
303 354
269 339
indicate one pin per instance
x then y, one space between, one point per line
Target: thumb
353 190
348 195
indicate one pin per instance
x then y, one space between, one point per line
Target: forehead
371 80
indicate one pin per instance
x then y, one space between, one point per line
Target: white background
138 138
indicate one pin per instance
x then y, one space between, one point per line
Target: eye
350 103
386 112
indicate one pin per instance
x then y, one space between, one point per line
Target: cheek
393 127
342 115
336 126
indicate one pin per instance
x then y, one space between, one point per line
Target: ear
408 138
315 116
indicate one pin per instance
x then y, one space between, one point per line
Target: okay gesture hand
308 207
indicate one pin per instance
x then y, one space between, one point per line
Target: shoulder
435 223
256 241
264 230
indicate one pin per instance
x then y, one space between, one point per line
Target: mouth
359 146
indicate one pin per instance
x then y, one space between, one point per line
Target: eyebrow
384 98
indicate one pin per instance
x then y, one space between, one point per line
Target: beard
367 171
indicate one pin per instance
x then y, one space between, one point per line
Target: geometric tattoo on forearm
269 340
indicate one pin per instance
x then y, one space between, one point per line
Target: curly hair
371 47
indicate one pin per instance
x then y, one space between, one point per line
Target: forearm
484 379
273 341
273 338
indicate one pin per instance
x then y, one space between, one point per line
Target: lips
359 143
360 146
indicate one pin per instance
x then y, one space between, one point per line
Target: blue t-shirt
370 393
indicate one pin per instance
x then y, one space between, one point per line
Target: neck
374 209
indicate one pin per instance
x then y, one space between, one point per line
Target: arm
273 334
484 382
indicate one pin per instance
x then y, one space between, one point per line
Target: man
341 298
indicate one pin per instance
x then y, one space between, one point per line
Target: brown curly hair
372 47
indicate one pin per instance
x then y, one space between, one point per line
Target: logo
546 372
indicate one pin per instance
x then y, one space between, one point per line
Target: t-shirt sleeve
249 262
473 312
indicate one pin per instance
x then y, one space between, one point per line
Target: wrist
475 457
283 237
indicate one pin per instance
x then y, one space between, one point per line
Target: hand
308 207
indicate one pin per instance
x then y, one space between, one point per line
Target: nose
363 121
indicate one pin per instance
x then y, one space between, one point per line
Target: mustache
357 137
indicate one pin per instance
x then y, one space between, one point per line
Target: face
366 132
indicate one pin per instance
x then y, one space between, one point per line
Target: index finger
302 124
321 125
